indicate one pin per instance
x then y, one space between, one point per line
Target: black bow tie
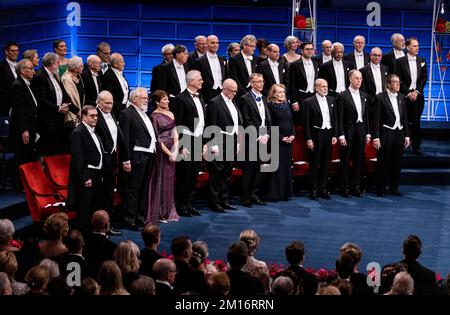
194 95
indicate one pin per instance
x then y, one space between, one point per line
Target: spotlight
442 8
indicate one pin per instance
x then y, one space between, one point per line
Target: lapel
280 72
225 106
406 64
49 81
333 73
208 67
138 117
384 71
349 96
372 77
330 110
269 71
388 101
419 68
174 75
303 71
88 135
8 70
102 122
191 102
240 59
253 102
222 67
363 104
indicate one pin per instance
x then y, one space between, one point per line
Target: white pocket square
422 64
332 105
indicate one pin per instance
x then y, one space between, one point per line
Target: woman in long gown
161 203
280 181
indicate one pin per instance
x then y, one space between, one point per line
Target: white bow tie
393 94
308 63
376 66
412 58
359 54
213 56
249 58
338 62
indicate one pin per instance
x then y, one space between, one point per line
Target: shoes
162 221
113 232
325 194
313 195
396 192
226 205
217 208
346 193
418 152
246 203
258 201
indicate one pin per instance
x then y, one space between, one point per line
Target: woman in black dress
280 181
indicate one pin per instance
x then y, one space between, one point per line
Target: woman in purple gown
161 204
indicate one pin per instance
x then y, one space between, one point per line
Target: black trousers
219 181
354 152
298 116
88 200
415 110
389 158
109 180
136 188
319 159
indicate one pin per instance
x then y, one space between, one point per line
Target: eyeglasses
252 46
376 55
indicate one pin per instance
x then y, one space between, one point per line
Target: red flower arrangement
274 269
16 243
220 265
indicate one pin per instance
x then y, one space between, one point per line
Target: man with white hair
91 79
326 53
374 74
115 82
358 57
243 65
398 51
166 52
201 46
403 284
335 71
140 139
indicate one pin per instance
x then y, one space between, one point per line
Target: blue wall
139 30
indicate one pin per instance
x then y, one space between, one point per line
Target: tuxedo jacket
243 284
383 114
389 60
327 72
186 112
250 113
318 59
162 289
6 79
68 258
135 133
309 281
348 115
189 279
111 83
103 132
368 80
168 79
351 57
50 120
148 257
155 75
312 116
202 65
239 73
193 57
269 78
404 72
90 92
298 82
99 248
218 114
24 111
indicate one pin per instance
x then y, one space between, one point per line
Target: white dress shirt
340 75
274 68
12 65
398 53
214 64
201 118
412 61
151 131
104 67
59 94
323 104
97 144
357 99
181 74
95 77
394 102
326 58
27 82
123 84
376 71
248 63
260 105
234 116
111 126
359 58
310 74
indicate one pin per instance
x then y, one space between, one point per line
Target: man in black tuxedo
424 278
273 70
398 51
255 114
201 47
190 119
86 165
140 139
24 114
243 64
166 52
99 248
115 82
374 74
353 117
7 76
172 76
302 74
53 103
326 53
212 68
390 132
104 52
74 242
412 71
151 235
358 57
335 71
91 79
111 136
223 115
320 128
164 271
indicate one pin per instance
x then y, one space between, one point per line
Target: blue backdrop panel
148 62
190 30
93 27
129 11
38 31
230 32
271 33
255 14
326 17
127 28
158 29
176 12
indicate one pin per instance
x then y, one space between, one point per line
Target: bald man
115 82
273 69
326 53
374 74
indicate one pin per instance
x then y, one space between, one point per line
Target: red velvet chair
56 168
43 198
300 154
371 158
335 163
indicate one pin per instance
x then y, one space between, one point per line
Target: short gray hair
247 38
102 45
101 96
167 47
254 75
161 267
190 75
396 35
6 228
199 37
114 58
91 58
336 44
49 59
288 41
282 286
374 48
134 93
359 37
74 63
403 284
21 65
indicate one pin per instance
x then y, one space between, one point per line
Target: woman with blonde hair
9 265
74 86
126 256
32 55
256 268
110 279
37 279
291 43
56 227
6 235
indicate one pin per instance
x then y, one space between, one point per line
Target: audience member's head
165 269
5 284
88 287
262 44
283 286
398 41
56 226
345 265
37 279
12 51
200 44
291 43
94 63
403 284
151 235
32 55
52 267
8 264
104 51
199 253
328 290
144 285
194 80
344 286
75 65
110 279
126 256
117 61
295 253
354 250
248 44
337 51
6 232
100 221
166 52
74 242
60 47
180 54
233 49
58 286
297 281
388 274
219 284
412 247
237 255
250 238
181 248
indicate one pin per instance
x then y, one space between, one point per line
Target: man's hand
25 137
184 152
88 183
290 139
368 139
333 140
376 144
127 167
407 142
64 108
295 107
342 141
310 144
264 139
412 95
